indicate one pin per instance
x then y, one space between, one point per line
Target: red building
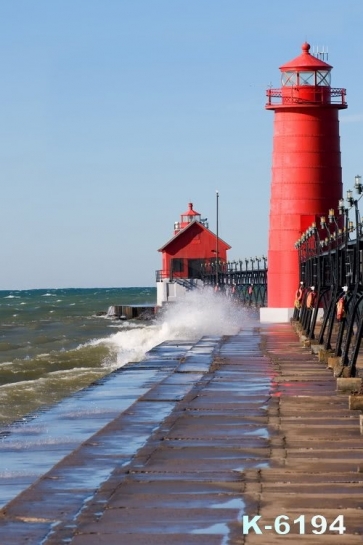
306 168
192 247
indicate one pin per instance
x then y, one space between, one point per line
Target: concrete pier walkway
248 425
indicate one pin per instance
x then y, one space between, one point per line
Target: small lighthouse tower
306 169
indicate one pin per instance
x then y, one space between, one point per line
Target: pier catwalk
249 426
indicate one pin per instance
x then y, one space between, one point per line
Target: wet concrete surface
250 424
33 447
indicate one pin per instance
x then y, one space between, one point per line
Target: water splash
196 314
201 313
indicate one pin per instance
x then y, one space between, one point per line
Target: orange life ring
299 294
310 300
341 309
298 297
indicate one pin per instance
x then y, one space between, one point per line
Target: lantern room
305 79
186 218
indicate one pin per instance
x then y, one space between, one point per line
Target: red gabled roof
182 231
306 61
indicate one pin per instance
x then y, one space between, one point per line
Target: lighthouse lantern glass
320 77
307 78
323 78
288 79
189 219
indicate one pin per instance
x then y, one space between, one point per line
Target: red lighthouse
306 168
192 247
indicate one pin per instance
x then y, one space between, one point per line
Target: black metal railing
330 257
244 280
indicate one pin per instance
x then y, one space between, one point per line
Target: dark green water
53 343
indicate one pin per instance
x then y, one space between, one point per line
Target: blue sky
114 114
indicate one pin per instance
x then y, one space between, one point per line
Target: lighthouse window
177 265
307 78
289 79
323 78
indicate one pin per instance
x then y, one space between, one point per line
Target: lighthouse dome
306 61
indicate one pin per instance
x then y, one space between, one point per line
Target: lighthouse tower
306 169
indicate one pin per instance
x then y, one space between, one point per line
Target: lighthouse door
194 268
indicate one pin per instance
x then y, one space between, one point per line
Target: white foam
202 313
197 314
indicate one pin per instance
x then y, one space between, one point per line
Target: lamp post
332 286
347 359
336 237
217 235
332 219
354 202
358 187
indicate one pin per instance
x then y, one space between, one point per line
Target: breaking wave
196 314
